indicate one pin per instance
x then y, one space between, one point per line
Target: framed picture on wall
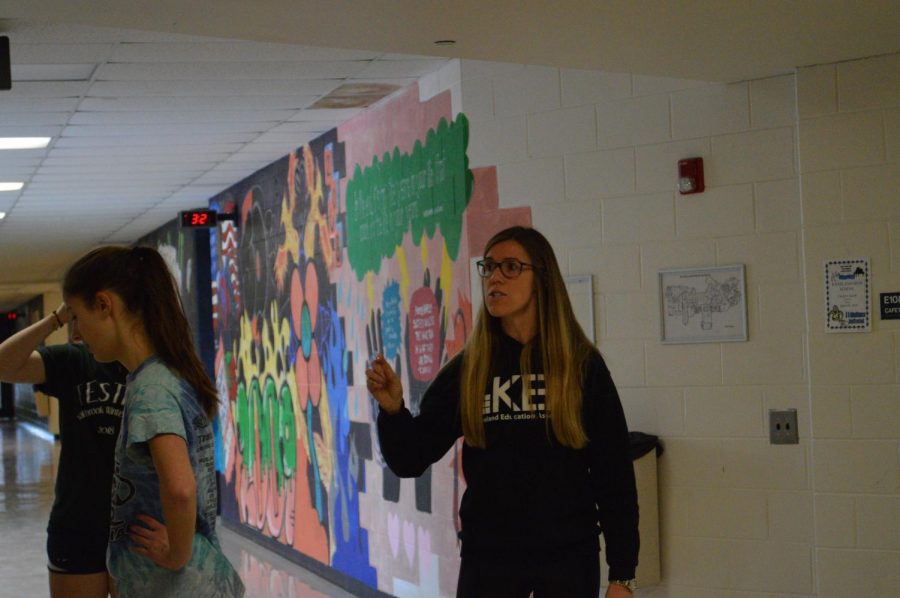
703 305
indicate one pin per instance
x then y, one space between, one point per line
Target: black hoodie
526 493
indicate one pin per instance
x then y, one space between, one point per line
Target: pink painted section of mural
399 122
484 217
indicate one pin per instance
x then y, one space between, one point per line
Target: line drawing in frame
703 305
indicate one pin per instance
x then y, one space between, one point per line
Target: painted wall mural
356 243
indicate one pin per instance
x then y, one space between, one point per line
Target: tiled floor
26 494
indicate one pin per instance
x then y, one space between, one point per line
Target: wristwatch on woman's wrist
631 584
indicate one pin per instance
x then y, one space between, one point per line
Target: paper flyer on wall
847 302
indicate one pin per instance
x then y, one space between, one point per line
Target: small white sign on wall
847 304
581 294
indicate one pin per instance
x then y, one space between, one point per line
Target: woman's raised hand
384 384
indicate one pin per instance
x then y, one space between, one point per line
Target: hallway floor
26 495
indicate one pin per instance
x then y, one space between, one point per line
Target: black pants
567 574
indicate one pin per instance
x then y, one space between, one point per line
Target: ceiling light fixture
445 42
2 215
24 142
11 186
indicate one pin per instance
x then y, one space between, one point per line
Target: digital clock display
198 218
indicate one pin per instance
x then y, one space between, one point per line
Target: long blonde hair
564 349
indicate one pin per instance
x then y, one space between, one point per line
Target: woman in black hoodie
545 456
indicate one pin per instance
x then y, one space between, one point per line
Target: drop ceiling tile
27 104
160 163
148 151
276 149
33 118
304 126
159 129
140 118
115 178
289 139
46 89
193 193
190 88
51 72
29 131
338 115
232 51
231 71
15 158
156 140
202 104
398 82
223 179
15 173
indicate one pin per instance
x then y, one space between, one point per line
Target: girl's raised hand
384 384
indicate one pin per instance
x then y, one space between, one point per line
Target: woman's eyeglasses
510 268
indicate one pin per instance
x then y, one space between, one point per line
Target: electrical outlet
783 427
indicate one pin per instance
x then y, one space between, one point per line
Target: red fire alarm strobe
690 175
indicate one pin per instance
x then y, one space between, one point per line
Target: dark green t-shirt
90 414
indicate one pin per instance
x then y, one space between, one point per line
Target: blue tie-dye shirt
158 402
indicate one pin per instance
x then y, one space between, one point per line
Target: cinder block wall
799 168
849 122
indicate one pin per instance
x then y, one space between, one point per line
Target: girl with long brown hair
546 453
124 305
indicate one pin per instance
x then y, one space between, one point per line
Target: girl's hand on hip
151 539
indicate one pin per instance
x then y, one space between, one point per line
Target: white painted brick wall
868 84
537 181
842 140
727 411
712 110
591 175
752 156
777 205
529 90
615 268
772 102
580 87
562 131
638 218
799 169
831 411
718 212
856 466
633 121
